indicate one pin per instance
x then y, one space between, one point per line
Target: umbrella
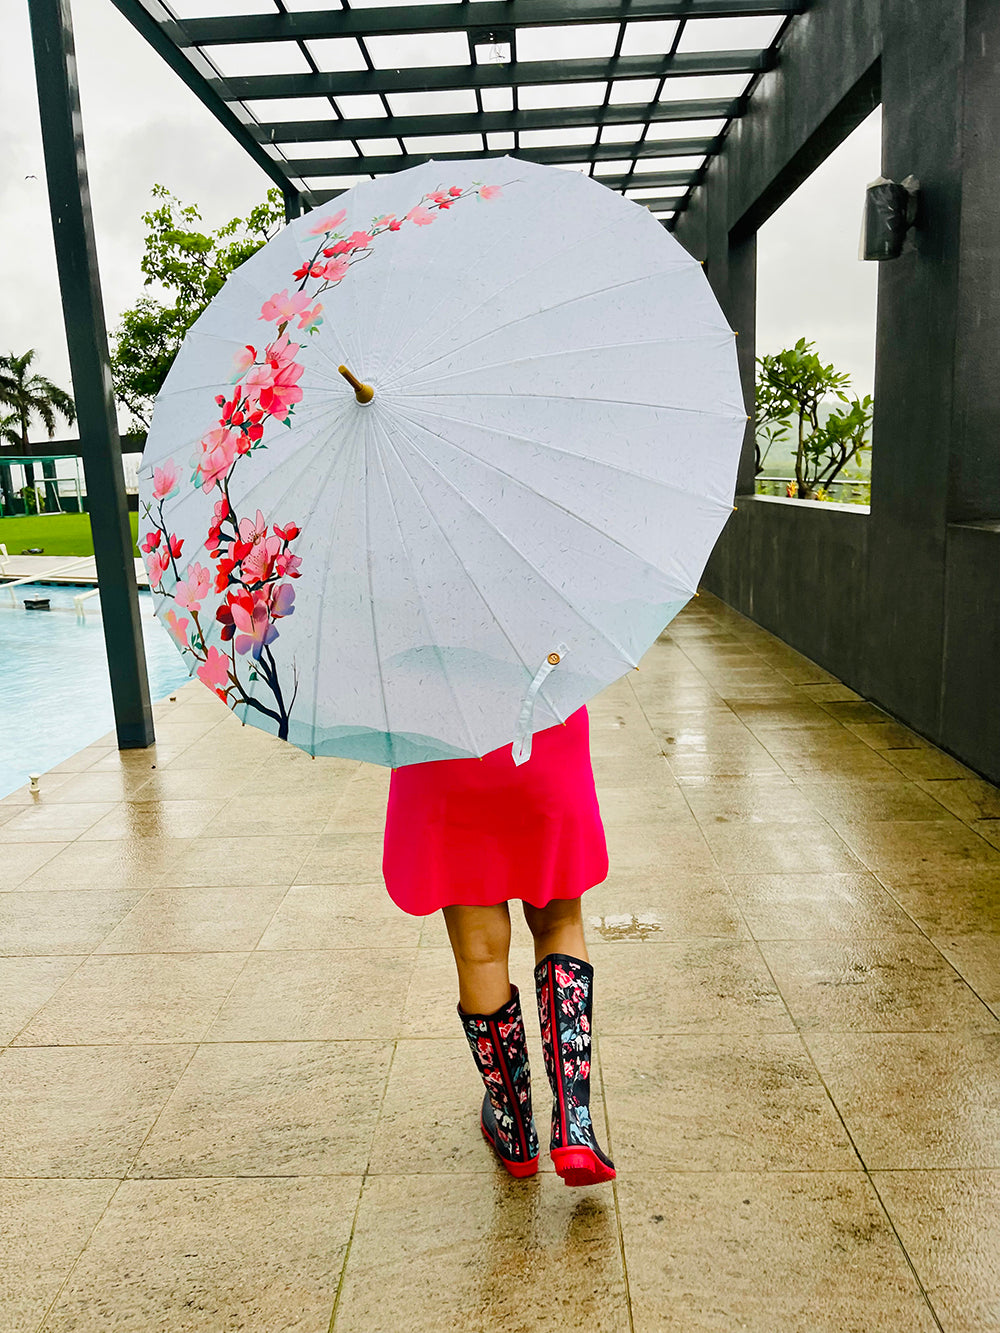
441 461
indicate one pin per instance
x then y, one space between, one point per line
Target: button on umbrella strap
521 749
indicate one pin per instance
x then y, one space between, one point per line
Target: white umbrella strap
521 749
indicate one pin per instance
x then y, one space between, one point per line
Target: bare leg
557 928
480 941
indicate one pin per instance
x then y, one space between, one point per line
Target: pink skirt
482 831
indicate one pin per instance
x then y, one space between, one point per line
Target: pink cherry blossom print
326 224
165 480
489 191
284 307
214 671
178 628
420 216
193 590
151 541
242 362
218 450
254 628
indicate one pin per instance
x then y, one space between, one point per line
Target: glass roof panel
573 166
561 94
361 106
497 99
334 54
624 92
613 168
321 148
499 141
729 34
567 41
621 133
415 50
684 129
687 86
310 4
558 138
444 143
655 192
687 163
649 39
379 147
239 58
210 9
451 101
289 108
384 4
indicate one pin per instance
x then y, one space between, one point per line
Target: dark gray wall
902 604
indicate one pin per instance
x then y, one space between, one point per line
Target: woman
465 836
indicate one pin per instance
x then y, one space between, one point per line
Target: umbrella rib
464 499
576 398
414 368
578 518
371 589
472 744
555 449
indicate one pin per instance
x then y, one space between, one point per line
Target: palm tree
29 395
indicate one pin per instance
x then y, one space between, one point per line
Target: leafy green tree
189 266
792 387
28 396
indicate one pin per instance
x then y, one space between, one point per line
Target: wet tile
320 995
52 923
969 798
46 1225
699 985
279 816
720 1103
249 1254
819 905
250 859
830 693
915 1100
482 1253
788 711
93 787
135 864
761 800
50 821
888 985
195 920
857 762
912 850
977 959
661 906
18 861
136 998
340 916
777 848
82 1110
746 763
154 819
948 1222
674 848
927 762
26 984
962 901
277 1108
840 802
342 858
167 785
769 1252
887 735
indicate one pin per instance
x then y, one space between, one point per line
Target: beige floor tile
788 711
93 787
765 1252
195 920
663 805
255 1255
760 800
977 959
320 995
81 1110
169 785
819 905
26 984
961 901
295 815
342 858
776 848
887 735
927 763
915 1100
154 819
127 998
133 864
48 821
277 1108
255 861
673 848
856 763
841 802
719 764
887 985
74 922
911 851
340 916
661 905
18 861
834 693
720 1103
971 799
949 1223
482 1253
697 986
46 1224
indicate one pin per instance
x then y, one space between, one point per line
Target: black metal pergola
639 94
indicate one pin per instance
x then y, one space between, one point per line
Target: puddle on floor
637 926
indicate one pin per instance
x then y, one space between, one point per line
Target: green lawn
57 534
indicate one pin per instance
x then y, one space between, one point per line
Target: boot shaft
565 992
500 1050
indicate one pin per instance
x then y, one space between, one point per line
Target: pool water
55 693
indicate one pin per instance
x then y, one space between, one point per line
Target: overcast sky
142 126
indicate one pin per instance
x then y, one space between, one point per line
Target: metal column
86 336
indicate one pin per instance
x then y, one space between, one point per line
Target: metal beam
449 18
377 166
668 180
491 122
519 74
86 336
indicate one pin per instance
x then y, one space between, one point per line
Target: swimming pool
55 693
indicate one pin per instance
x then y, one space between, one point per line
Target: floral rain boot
565 988
500 1051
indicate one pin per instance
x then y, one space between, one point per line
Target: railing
42 575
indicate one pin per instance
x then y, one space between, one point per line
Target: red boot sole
581 1166
517 1169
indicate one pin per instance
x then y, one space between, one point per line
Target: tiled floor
234 1093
